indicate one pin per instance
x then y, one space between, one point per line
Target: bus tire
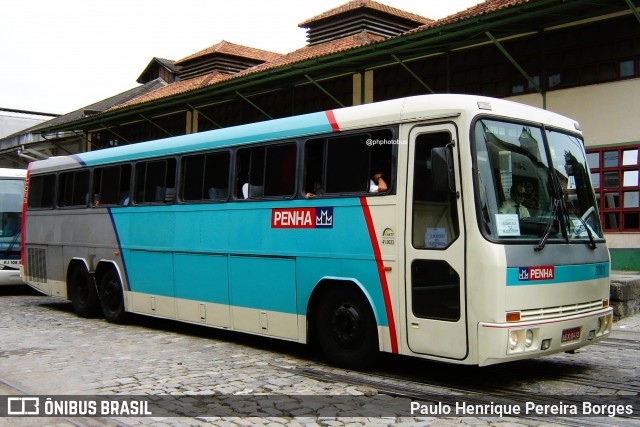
346 329
84 295
112 297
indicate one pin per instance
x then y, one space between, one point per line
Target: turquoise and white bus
11 197
456 228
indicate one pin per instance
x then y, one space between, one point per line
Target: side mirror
442 175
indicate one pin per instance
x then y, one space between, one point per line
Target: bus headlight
604 325
521 340
513 339
528 341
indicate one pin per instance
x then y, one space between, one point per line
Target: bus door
435 254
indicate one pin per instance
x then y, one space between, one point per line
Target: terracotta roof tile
175 89
357 4
318 50
225 47
307 52
315 51
487 6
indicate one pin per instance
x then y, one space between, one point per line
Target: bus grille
37 265
560 311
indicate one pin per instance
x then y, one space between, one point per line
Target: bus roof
375 114
12 173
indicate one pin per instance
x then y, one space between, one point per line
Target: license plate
571 334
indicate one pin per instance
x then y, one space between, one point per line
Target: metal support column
633 9
126 141
156 125
410 71
253 104
326 92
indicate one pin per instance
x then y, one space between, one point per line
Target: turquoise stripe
228 253
562 274
289 127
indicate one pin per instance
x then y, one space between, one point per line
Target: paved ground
45 349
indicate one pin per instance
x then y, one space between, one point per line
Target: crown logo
325 218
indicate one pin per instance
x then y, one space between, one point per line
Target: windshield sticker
436 237
302 218
508 225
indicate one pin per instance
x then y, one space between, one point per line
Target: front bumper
502 342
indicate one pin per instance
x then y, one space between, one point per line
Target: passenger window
73 189
360 163
266 171
205 177
41 191
155 181
112 186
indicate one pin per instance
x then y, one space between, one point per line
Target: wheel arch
333 284
103 266
74 263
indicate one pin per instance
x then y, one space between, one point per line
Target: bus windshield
11 193
533 184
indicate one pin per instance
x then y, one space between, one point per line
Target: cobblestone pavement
45 349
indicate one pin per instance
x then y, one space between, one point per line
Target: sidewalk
625 293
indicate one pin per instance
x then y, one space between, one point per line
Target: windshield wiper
547 232
558 211
592 241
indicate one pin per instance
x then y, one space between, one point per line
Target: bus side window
266 171
155 181
73 189
348 164
112 185
216 176
42 191
205 177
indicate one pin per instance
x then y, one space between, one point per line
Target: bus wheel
84 295
346 329
112 297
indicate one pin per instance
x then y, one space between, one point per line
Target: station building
579 58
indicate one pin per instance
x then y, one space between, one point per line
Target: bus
11 197
382 227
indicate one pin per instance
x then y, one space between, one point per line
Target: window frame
146 162
616 193
238 181
183 170
367 136
99 203
61 189
53 192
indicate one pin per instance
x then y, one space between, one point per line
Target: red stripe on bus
332 120
23 220
381 274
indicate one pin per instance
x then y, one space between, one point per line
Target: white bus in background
11 194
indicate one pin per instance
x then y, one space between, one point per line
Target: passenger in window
314 191
377 184
514 205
